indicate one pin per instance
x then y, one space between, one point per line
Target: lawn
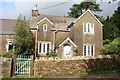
115 74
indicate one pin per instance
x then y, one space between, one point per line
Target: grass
82 74
98 72
20 77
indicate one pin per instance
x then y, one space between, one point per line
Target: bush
106 42
112 48
51 54
8 54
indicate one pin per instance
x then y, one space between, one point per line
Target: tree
116 18
110 31
23 37
77 9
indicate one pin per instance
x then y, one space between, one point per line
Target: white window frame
9 43
88 49
88 29
42 46
45 25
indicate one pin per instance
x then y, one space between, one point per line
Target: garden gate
22 65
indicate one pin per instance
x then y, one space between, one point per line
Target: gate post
13 66
31 66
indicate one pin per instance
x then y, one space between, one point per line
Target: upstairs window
88 28
45 27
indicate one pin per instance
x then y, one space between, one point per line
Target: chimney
35 12
83 10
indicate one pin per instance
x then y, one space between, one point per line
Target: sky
11 9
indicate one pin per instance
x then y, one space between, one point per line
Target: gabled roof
59 22
91 14
45 19
68 39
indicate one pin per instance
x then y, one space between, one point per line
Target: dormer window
45 27
88 28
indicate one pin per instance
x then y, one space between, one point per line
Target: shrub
106 41
112 48
51 54
9 54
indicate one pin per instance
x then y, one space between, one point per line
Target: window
45 27
88 50
44 47
9 45
88 28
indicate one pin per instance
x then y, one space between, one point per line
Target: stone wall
6 67
61 67
0 68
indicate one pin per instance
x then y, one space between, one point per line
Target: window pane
85 50
88 27
45 27
48 47
88 50
84 27
92 28
10 47
44 48
40 48
91 50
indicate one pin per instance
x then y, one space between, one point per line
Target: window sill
88 34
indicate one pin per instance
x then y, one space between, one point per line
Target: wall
60 67
4 42
6 67
0 68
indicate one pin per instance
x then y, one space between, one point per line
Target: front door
67 50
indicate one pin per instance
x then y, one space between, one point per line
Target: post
31 66
13 66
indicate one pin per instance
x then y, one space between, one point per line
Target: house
6 34
66 36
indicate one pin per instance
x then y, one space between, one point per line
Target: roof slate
7 25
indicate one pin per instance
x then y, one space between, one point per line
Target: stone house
66 36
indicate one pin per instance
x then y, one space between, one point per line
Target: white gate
22 65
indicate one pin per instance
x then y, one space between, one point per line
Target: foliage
116 18
111 28
110 31
107 41
51 54
112 48
76 10
28 77
23 37
9 54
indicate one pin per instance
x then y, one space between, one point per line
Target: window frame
88 27
45 25
88 49
44 47
8 45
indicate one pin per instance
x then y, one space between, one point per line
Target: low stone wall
66 66
6 67
0 68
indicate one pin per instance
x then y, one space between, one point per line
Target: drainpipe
54 39
36 42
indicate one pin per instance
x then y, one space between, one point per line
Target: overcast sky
11 9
